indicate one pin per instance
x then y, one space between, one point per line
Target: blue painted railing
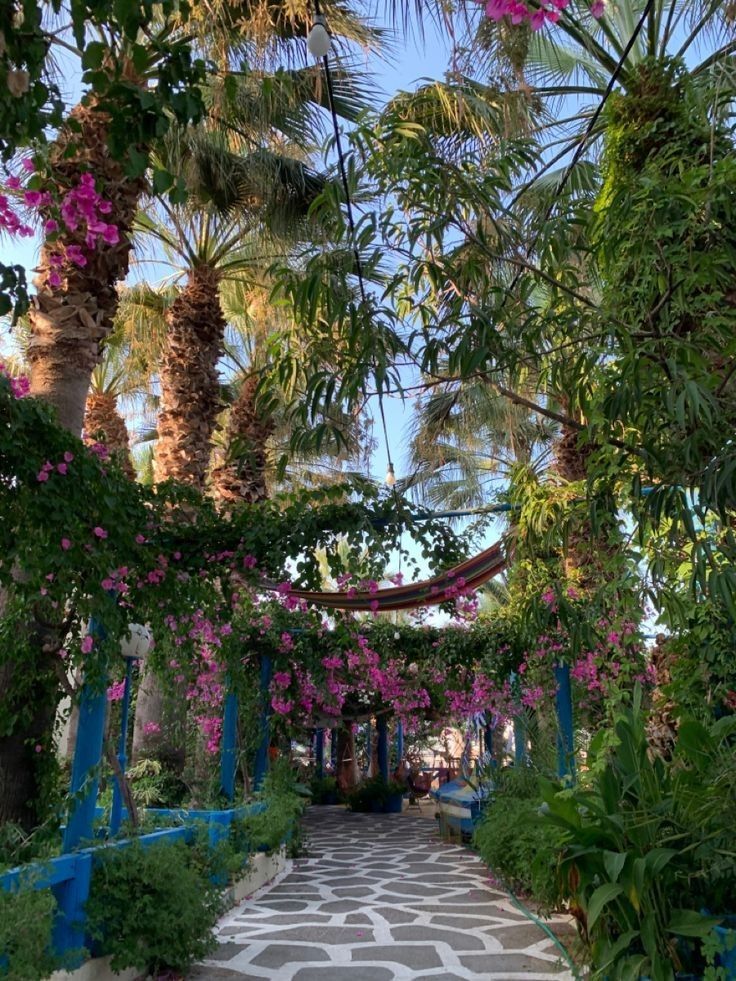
69 876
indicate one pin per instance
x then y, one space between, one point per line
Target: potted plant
324 790
394 797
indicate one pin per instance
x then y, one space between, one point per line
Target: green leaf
614 863
690 923
93 55
600 898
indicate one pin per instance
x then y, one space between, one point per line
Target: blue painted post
87 756
319 752
488 742
229 750
116 812
368 747
519 741
519 727
565 735
333 749
69 924
399 742
382 750
261 764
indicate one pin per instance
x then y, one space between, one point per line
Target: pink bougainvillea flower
87 644
552 16
66 544
140 539
597 9
50 226
538 18
151 728
13 182
62 468
54 280
32 198
108 583
68 457
42 476
99 532
496 9
28 165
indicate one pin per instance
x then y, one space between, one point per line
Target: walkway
380 898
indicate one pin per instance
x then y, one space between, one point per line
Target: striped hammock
469 574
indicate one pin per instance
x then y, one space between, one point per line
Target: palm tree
467 438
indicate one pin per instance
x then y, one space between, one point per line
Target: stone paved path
380 898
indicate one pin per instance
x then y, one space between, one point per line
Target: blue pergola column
319 752
382 751
261 764
565 729
228 753
519 727
333 749
85 778
399 742
116 811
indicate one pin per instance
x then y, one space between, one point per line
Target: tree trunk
104 424
346 770
190 388
242 475
69 323
190 402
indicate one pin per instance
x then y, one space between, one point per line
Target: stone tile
343 974
419 958
358 919
277 955
456 939
226 951
517 937
500 963
341 906
395 915
329 935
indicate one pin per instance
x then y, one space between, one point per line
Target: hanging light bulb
318 40
390 476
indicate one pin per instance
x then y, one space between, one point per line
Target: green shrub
154 908
324 790
26 918
376 789
517 846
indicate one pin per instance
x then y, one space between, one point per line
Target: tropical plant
639 836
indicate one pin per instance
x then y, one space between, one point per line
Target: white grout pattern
381 898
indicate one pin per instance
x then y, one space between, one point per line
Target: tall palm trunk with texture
190 402
190 388
68 325
242 476
103 423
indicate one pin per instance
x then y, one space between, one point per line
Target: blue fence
69 876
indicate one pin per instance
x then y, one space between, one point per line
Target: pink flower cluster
19 387
79 212
536 16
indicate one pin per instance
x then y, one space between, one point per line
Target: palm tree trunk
103 423
68 324
190 389
190 402
242 475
